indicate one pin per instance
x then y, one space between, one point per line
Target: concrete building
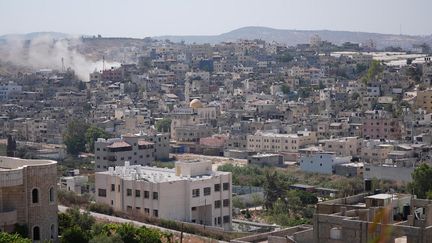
76 184
113 152
388 171
346 146
191 192
266 159
320 161
349 169
379 124
8 89
195 114
275 142
349 219
28 196
424 100
375 150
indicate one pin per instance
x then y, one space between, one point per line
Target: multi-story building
8 89
379 124
317 161
424 100
375 150
28 197
275 142
191 192
347 146
113 152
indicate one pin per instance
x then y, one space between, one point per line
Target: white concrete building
77 184
191 192
7 89
320 161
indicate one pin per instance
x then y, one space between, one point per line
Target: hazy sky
141 18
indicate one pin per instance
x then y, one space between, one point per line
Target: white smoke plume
46 52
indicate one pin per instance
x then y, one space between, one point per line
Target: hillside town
239 141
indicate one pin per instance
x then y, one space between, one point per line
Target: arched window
36 233
35 195
51 194
52 232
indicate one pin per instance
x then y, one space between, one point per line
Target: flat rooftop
154 174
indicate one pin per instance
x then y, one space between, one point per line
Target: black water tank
368 185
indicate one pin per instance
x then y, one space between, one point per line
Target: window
36 233
155 213
147 211
155 196
226 219
51 194
128 192
112 187
226 202
195 192
193 208
226 186
146 194
118 188
217 204
35 196
137 193
52 231
207 191
101 192
217 187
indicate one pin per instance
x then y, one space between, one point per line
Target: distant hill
33 35
294 37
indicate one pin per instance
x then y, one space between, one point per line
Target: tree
74 234
374 70
307 197
74 137
92 134
273 189
12 238
106 239
163 125
421 184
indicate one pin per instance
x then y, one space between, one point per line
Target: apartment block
191 192
379 124
276 142
28 192
424 100
113 152
320 161
346 146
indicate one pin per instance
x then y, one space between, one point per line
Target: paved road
139 224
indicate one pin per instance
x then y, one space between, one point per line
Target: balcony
8 217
